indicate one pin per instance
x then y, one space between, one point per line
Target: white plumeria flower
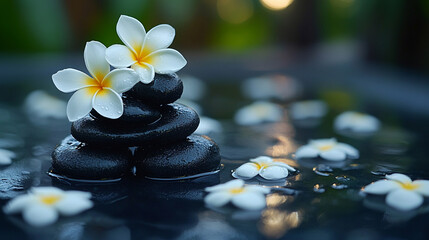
258 112
146 53
101 92
42 205
42 105
208 125
265 167
308 109
6 156
328 149
402 193
356 122
249 197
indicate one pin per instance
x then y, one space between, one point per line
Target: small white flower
402 193
265 167
208 125
6 156
42 205
308 109
248 197
271 87
258 112
356 122
328 149
42 105
100 92
193 88
146 53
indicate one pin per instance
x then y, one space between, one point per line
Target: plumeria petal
306 152
404 200
70 80
237 183
423 187
80 103
145 71
348 149
217 199
18 204
333 155
131 32
120 56
258 189
95 60
282 164
323 142
399 178
46 191
39 215
159 37
273 172
382 187
166 61
247 171
73 204
6 156
262 159
108 103
121 80
249 200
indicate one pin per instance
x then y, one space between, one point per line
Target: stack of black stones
154 135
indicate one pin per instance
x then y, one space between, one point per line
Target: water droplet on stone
322 170
342 178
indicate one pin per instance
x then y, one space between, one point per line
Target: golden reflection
275 199
284 147
276 4
235 11
275 223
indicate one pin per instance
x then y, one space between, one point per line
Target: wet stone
177 122
74 159
165 88
195 155
135 111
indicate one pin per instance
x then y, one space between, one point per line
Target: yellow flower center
409 186
325 147
259 166
50 199
142 56
236 190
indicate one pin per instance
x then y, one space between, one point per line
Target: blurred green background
393 32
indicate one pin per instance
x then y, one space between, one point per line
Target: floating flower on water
308 109
402 193
328 149
194 88
40 104
146 53
265 167
271 87
208 125
6 156
42 205
356 122
100 92
259 112
248 197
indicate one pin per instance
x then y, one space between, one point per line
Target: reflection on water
275 223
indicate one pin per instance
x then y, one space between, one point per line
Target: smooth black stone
135 111
77 160
164 89
177 122
195 155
